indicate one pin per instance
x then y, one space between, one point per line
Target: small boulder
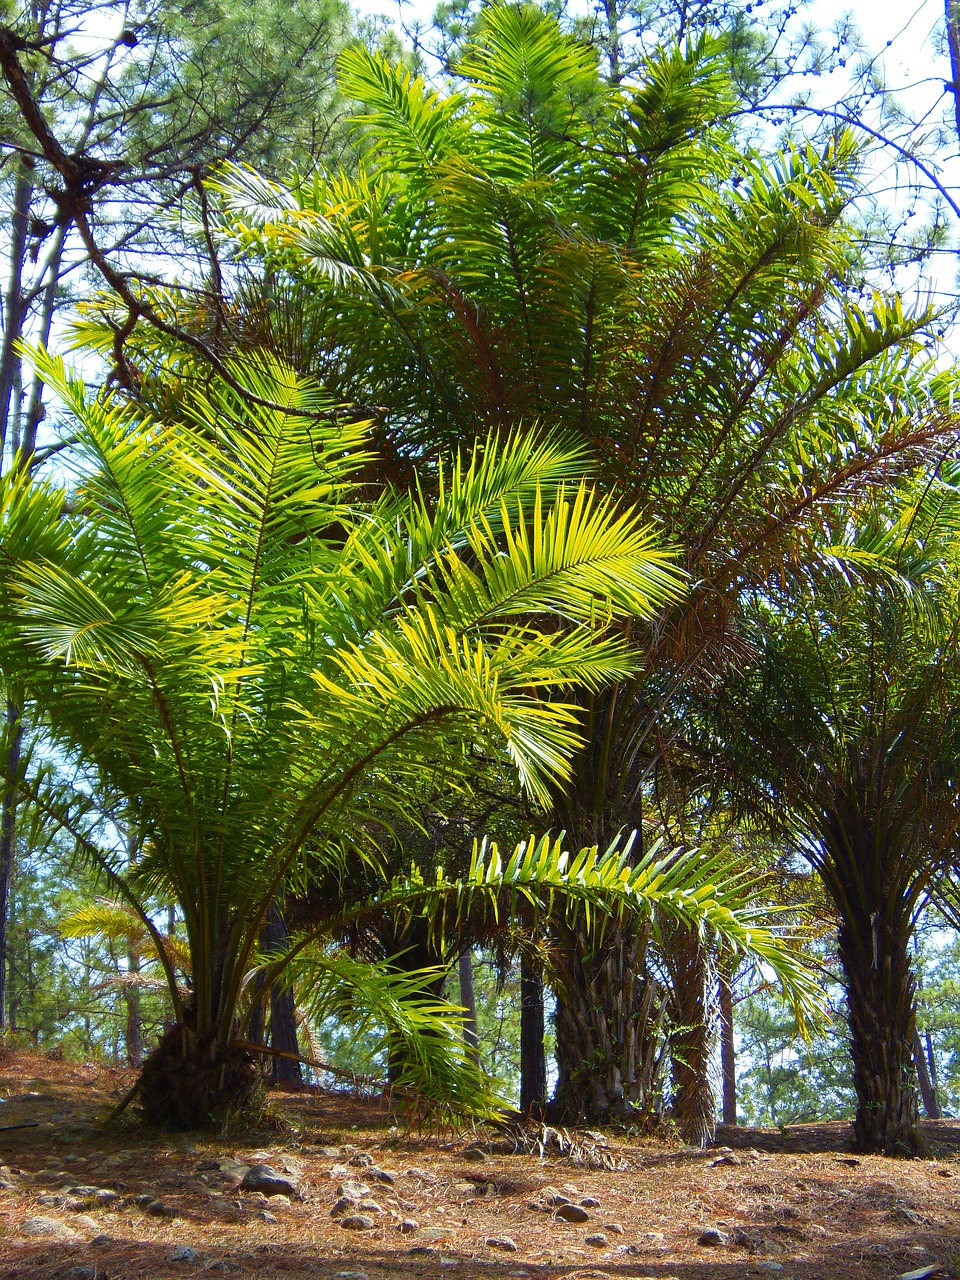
572 1213
185 1253
501 1242
346 1204
598 1240
381 1175
712 1238
408 1226
50 1227
355 1190
328 1153
263 1177
362 1160
589 1202
357 1222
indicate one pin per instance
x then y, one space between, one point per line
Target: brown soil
796 1206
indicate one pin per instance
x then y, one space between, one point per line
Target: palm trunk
609 1020
468 1000
533 1059
880 997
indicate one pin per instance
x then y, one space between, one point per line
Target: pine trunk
533 1059
728 1052
283 1013
691 1038
8 825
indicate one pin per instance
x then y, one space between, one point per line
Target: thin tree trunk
8 826
13 304
952 14
468 1000
728 1052
928 1093
533 1059
691 1038
283 1013
133 1029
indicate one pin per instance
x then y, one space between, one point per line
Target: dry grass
807 1212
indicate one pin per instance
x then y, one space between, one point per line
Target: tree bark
874 953
283 1012
533 1059
609 1019
13 307
691 1036
468 1000
928 1092
8 827
728 1053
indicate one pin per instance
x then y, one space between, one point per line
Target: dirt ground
120 1202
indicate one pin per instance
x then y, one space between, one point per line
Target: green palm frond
421 1032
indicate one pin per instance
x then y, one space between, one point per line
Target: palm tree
225 625
846 735
536 244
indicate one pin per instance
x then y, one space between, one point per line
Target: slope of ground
79 1201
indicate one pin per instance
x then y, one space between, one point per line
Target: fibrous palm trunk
873 945
608 1022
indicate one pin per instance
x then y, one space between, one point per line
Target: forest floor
80 1201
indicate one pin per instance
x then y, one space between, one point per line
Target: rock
589 1202
361 1160
187 1149
369 1206
83 1220
437 1234
473 1155
408 1226
338 1171
346 1204
464 1188
157 1209
184 1253
41 1226
381 1175
769 1266
414 1172
572 1213
354 1190
554 1198
711 1238
598 1240
357 1222
266 1216
732 1158
328 1153
263 1177
421 1251
614 1227
920 1274
501 1242
52 1201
